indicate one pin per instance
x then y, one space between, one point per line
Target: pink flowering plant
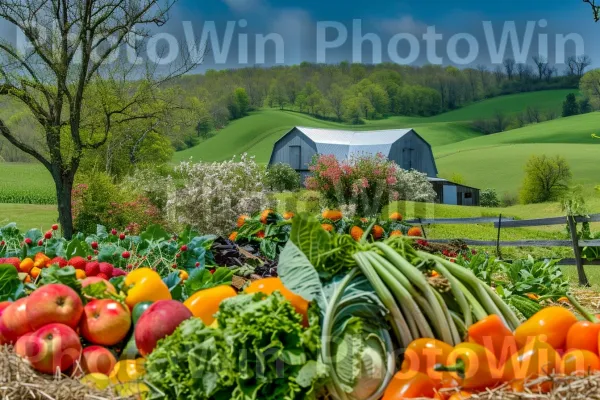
366 182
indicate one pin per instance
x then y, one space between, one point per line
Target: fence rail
504 222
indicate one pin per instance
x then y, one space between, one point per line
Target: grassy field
28 216
547 100
497 160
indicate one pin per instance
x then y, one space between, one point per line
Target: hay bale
19 381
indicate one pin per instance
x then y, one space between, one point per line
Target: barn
403 146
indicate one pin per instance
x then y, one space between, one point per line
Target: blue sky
297 21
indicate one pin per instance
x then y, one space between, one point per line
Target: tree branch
24 147
595 9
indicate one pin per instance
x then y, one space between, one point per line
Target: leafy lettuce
259 351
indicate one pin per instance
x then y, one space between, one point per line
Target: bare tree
571 66
498 74
549 72
595 9
521 70
541 63
70 82
509 67
582 63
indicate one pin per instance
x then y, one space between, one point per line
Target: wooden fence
503 222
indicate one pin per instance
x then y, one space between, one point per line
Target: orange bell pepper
409 386
536 359
26 265
270 285
422 355
205 303
41 260
144 284
495 336
462 395
473 366
579 362
551 324
583 335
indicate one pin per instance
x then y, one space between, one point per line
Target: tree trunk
64 187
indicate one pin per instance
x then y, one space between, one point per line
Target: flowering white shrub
215 194
414 186
151 184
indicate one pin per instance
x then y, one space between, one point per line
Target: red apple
97 359
50 348
105 322
14 322
158 321
95 279
3 306
54 303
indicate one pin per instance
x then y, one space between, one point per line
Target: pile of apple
54 330
45 328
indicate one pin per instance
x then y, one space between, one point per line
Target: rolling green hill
497 160
544 101
257 133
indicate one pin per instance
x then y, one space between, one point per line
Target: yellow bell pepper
205 303
145 285
127 371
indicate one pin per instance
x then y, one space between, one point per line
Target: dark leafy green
65 276
192 363
11 287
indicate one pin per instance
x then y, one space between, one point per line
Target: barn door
296 157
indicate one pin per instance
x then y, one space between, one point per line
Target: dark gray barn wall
281 150
421 155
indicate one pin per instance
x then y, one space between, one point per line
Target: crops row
11 194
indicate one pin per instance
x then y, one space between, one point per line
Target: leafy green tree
336 100
584 106
239 103
55 75
590 87
570 106
545 178
489 198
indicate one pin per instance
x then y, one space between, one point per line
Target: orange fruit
327 227
288 215
270 285
332 215
260 235
80 274
579 362
396 216
264 216
396 233
415 231
26 265
242 220
233 236
35 272
356 233
377 232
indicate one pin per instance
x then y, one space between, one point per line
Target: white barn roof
343 144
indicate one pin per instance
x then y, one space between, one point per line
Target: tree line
354 93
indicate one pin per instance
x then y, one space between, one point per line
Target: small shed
454 193
403 146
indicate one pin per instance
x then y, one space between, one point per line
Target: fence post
498 252
583 280
422 228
